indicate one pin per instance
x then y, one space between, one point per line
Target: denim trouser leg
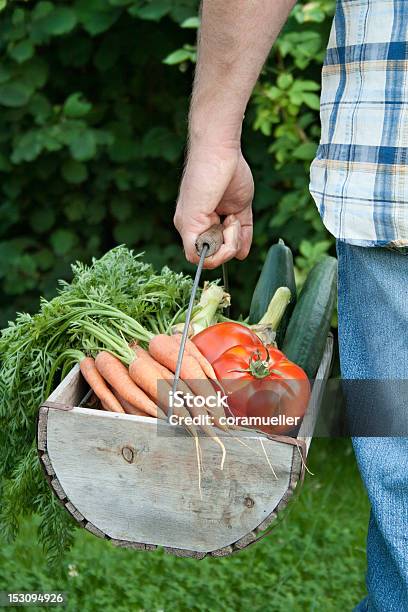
373 338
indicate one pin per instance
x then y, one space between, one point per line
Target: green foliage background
93 104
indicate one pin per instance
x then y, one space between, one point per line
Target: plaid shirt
359 178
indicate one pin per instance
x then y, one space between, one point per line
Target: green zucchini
277 272
309 324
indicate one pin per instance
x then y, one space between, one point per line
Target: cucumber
277 272
309 324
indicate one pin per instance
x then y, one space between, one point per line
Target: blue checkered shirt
359 178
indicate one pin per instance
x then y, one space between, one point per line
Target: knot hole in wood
128 453
249 502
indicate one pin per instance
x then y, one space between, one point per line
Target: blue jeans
373 339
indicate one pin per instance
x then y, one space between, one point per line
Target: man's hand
234 40
217 182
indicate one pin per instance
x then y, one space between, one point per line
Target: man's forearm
217 185
234 40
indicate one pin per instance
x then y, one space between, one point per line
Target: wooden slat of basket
155 499
71 390
309 421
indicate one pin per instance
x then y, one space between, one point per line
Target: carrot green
116 299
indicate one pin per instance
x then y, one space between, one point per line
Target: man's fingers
246 241
189 249
237 243
197 226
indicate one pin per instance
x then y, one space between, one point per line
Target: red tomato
259 381
216 339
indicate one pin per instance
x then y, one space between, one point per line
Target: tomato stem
259 368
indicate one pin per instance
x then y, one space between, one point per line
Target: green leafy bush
93 100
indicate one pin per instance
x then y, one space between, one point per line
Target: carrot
192 350
105 406
165 350
130 409
98 385
145 374
195 411
144 363
144 371
117 375
203 361
165 372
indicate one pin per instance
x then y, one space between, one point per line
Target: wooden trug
134 481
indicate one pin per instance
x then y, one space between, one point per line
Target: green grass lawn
314 560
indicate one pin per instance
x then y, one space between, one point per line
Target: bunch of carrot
142 387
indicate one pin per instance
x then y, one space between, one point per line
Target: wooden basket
134 481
